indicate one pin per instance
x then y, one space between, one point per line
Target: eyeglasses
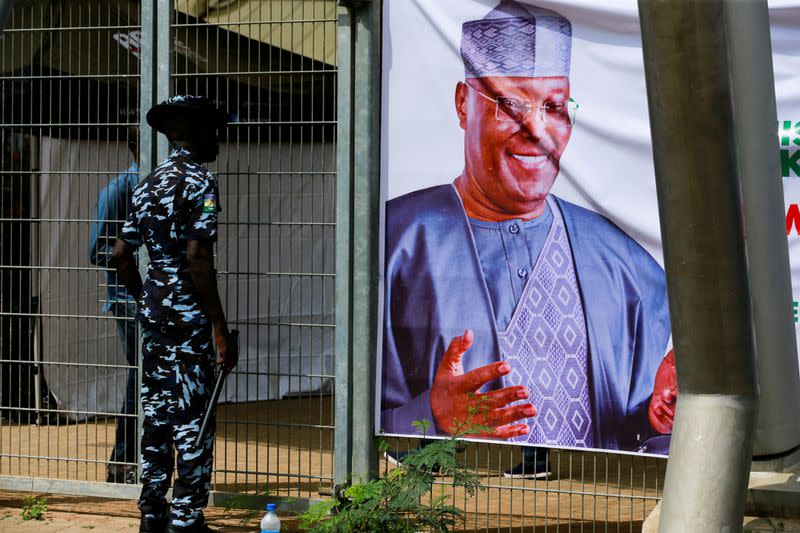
512 109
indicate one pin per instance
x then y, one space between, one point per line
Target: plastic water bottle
270 522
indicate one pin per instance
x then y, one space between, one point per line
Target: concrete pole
690 96
778 426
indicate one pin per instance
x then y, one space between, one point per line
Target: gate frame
358 248
155 82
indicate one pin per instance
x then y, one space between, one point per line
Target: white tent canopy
275 259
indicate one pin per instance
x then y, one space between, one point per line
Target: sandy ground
287 446
73 514
76 514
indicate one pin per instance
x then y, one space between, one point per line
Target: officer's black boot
153 525
198 527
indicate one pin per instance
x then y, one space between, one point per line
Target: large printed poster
523 281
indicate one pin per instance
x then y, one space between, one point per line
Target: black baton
233 347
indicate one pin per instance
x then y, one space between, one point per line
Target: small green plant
33 508
404 501
248 503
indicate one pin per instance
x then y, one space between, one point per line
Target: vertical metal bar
366 217
272 332
257 232
164 62
4 46
63 323
147 87
343 445
147 158
699 197
292 232
778 427
284 115
35 291
74 331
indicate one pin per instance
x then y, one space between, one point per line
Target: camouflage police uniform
178 202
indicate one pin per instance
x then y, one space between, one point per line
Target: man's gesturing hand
665 393
454 392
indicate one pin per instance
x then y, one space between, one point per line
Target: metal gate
76 76
70 88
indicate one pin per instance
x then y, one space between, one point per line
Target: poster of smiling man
499 292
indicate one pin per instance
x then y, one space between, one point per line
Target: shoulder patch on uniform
210 203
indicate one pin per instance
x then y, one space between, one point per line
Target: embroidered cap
517 39
186 107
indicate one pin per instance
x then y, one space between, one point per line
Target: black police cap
185 107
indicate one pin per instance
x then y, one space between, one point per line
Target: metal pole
366 218
366 222
147 155
156 68
360 157
147 57
343 447
690 96
778 427
163 70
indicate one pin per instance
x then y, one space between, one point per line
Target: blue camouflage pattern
177 380
177 202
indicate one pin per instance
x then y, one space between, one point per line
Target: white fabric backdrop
263 202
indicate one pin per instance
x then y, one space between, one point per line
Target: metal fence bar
147 159
163 38
343 447
366 222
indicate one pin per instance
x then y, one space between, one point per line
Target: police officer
174 213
